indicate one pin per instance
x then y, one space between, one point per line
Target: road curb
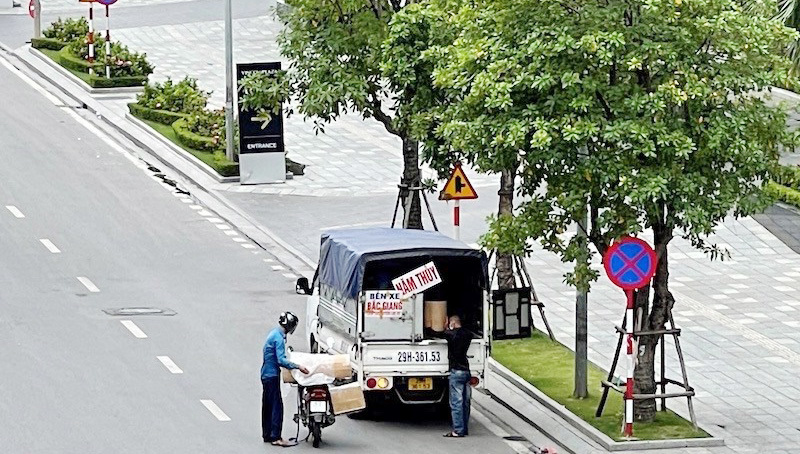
512 379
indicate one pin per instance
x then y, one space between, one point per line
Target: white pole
37 19
627 428
91 38
457 220
229 147
108 45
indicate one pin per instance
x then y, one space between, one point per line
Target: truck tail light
372 383
473 381
383 383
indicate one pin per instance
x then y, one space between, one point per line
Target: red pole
457 219
91 39
628 426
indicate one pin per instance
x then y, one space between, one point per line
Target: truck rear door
388 318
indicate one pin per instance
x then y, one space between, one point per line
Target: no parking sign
630 264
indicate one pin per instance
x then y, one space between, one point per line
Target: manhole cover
130 311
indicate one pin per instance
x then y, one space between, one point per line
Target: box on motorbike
347 398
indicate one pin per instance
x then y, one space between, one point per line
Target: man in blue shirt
274 359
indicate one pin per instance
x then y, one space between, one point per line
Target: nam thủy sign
417 280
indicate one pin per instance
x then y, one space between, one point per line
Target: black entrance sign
259 134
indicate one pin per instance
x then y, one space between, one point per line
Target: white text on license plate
419 357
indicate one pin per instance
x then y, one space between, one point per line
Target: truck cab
396 340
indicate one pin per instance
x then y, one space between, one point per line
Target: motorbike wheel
316 433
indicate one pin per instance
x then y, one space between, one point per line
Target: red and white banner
417 280
383 304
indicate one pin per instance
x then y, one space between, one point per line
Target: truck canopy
345 253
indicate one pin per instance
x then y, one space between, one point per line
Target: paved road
100 233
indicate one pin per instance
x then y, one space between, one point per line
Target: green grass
549 365
53 55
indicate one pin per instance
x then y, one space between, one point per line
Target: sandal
281 443
452 435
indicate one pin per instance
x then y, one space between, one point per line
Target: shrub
47 43
67 30
124 62
186 131
116 82
783 193
787 176
182 96
159 116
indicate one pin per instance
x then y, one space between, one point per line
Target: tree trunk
412 217
505 262
644 373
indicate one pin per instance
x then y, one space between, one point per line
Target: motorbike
314 411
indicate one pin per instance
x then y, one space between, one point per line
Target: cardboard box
347 398
286 376
435 315
336 366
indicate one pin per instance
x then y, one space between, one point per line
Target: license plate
420 384
318 406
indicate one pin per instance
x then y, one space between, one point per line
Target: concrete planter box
105 92
180 151
588 430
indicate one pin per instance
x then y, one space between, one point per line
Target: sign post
90 35
107 3
457 188
630 264
261 151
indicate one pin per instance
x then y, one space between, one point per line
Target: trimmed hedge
47 43
69 61
73 63
117 82
783 193
164 117
193 140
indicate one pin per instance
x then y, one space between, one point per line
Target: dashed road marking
247 246
196 207
135 330
88 284
215 220
170 364
239 239
223 226
15 211
205 213
277 268
289 276
231 233
50 246
215 410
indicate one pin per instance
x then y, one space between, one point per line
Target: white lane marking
196 207
215 410
277 268
239 239
223 226
186 200
231 233
247 246
135 330
15 211
88 284
289 275
215 220
170 364
50 246
205 213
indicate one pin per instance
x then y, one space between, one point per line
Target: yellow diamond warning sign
458 186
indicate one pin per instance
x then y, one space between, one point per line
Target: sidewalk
740 316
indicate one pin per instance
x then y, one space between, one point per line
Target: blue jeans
271 409
460 395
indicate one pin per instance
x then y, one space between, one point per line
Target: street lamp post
229 139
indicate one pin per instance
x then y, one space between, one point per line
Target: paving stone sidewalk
353 156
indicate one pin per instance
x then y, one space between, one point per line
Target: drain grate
131 311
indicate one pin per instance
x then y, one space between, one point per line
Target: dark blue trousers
271 409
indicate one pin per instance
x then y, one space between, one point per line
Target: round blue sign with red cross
630 263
